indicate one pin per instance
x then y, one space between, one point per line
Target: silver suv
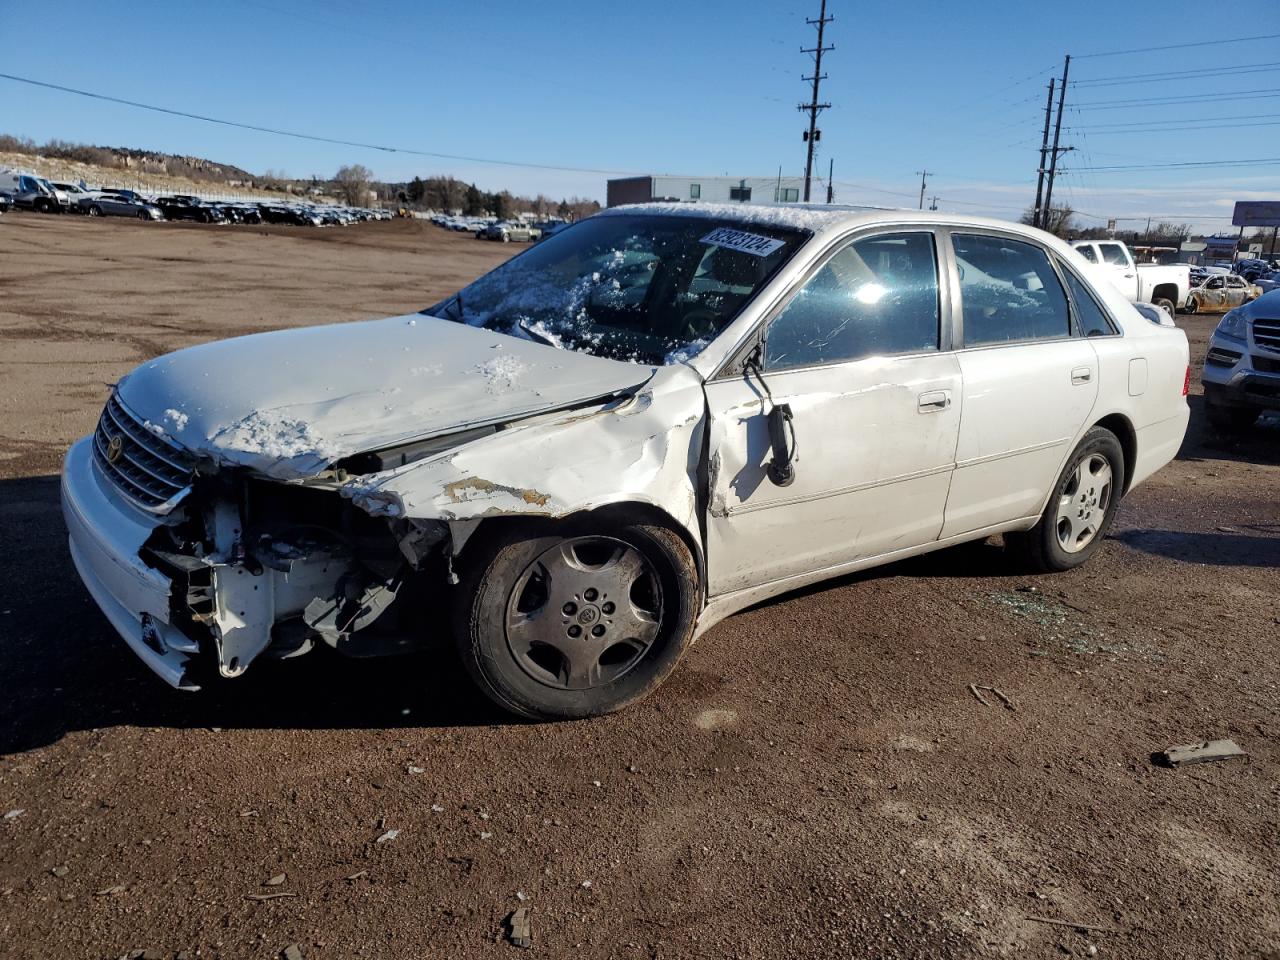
1242 367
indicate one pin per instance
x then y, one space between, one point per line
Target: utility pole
1057 132
814 107
1044 148
831 192
933 203
923 174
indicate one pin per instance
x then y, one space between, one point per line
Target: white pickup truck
1165 286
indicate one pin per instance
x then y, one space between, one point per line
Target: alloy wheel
1083 504
584 613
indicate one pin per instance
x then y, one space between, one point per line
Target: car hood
289 403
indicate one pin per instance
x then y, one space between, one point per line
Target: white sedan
657 417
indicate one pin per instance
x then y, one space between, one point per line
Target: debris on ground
436 808
110 891
1205 752
274 881
417 770
60 871
14 814
977 688
389 835
519 930
269 896
358 874
292 952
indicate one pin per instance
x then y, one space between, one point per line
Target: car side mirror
781 469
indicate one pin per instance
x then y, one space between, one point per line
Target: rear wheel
142 215
1080 510
95 211
1167 305
576 621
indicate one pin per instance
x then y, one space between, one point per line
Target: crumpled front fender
644 448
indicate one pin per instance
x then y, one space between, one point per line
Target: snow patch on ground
270 434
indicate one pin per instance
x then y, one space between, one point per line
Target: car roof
815 217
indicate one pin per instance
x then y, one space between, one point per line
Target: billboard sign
1256 213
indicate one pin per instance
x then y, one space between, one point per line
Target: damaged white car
653 419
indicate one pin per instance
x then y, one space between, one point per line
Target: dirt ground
815 780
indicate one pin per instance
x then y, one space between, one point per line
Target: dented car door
859 355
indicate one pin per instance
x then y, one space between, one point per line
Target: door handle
934 401
1128 276
1081 375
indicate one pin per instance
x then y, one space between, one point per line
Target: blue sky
704 88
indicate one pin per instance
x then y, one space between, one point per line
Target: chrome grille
1266 333
151 470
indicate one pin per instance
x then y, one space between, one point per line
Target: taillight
1186 382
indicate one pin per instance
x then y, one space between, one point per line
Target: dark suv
182 207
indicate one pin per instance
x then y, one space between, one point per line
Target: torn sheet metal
642 449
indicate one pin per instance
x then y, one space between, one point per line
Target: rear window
1009 291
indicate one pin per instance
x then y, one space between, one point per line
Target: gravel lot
815 780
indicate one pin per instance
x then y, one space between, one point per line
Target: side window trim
961 343
945 338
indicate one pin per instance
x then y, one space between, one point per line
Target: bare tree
353 183
1059 220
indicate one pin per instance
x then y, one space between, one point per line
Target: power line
1168 76
1151 123
1176 46
305 136
1266 161
1179 100
1178 128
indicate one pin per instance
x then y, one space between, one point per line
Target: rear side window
875 297
1114 253
1009 291
1090 317
1087 253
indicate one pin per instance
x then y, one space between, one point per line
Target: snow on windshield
645 289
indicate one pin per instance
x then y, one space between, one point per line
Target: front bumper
1240 373
105 535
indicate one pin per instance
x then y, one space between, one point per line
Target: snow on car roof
815 217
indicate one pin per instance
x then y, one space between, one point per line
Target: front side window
648 289
875 297
1090 317
1114 254
1009 291
1235 281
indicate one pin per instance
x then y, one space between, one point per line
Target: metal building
707 189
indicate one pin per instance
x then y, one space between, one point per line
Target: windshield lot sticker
751 243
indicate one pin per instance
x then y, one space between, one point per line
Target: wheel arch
616 512
1165 291
1122 427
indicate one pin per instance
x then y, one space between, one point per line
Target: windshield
648 289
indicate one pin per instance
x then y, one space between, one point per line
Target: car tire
95 211
1229 418
1167 305
544 630
1192 306
143 215
1080 509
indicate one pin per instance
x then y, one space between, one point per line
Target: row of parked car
504 231
26 191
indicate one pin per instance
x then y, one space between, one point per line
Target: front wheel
1167 305
1080 509
577 621
95 211
1192 305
